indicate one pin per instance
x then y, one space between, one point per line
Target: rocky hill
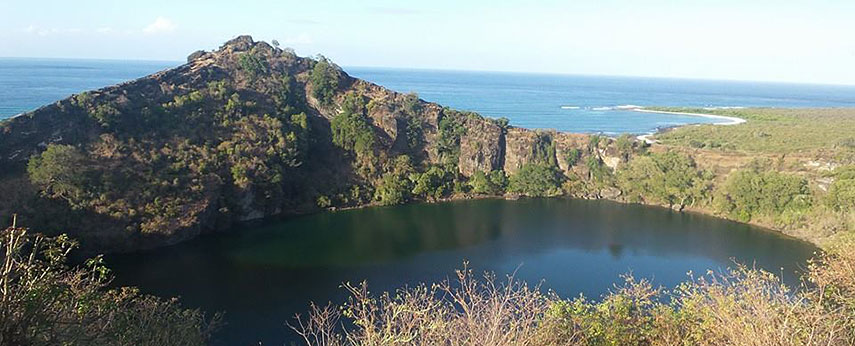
250 131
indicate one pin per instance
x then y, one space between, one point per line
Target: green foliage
667 178
260 151
394 186
323 202
46 302
841 193
411 103
536 180
625 145
351 129
61 171
434 183
598 172
749 193
106 114
252 65
325 80
543 152
492 184
820 133
451 128
573 156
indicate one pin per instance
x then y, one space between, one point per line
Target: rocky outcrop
482 148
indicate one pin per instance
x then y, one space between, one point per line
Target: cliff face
244 132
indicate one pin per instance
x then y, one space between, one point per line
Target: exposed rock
482 147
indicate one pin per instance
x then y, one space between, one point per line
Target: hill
246 132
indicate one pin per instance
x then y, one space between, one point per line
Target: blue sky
784 40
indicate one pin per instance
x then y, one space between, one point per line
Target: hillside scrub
46 302
740 306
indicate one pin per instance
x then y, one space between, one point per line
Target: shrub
61 172
45 302
391 190
536 180
668 178
252 65
351 129
841 193
749 193
740 306
492 184
434 183
325 78
573 156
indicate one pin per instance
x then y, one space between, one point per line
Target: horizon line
579 74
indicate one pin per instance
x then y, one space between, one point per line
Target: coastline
728 120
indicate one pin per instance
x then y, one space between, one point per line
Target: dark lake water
260 277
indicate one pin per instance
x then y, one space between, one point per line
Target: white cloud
160 25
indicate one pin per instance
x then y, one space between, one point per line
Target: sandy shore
726 120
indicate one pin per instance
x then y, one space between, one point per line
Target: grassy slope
827 133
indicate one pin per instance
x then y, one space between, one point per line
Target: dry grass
742 307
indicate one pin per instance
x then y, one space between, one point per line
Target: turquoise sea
564 102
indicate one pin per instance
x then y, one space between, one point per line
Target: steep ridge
246 132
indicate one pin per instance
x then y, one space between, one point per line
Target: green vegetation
325 79
434 183
536 180
46 302
669 178
494 183
61 172
351 129
819 133
841 193
573 156
741 306
750 193
394 186
252 65
448 144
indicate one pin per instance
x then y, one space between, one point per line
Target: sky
803 41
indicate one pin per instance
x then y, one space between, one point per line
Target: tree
625 144
667 178
325 78
841 193
748 193
537 180
61 171
351 129
434 183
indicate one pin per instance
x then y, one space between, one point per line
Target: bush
841 193
573 156
325 78
61 172
45 302
749 193
668 178
434 183
392 190
536 180
740 306
492 184
351 129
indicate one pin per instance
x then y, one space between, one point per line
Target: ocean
573 103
